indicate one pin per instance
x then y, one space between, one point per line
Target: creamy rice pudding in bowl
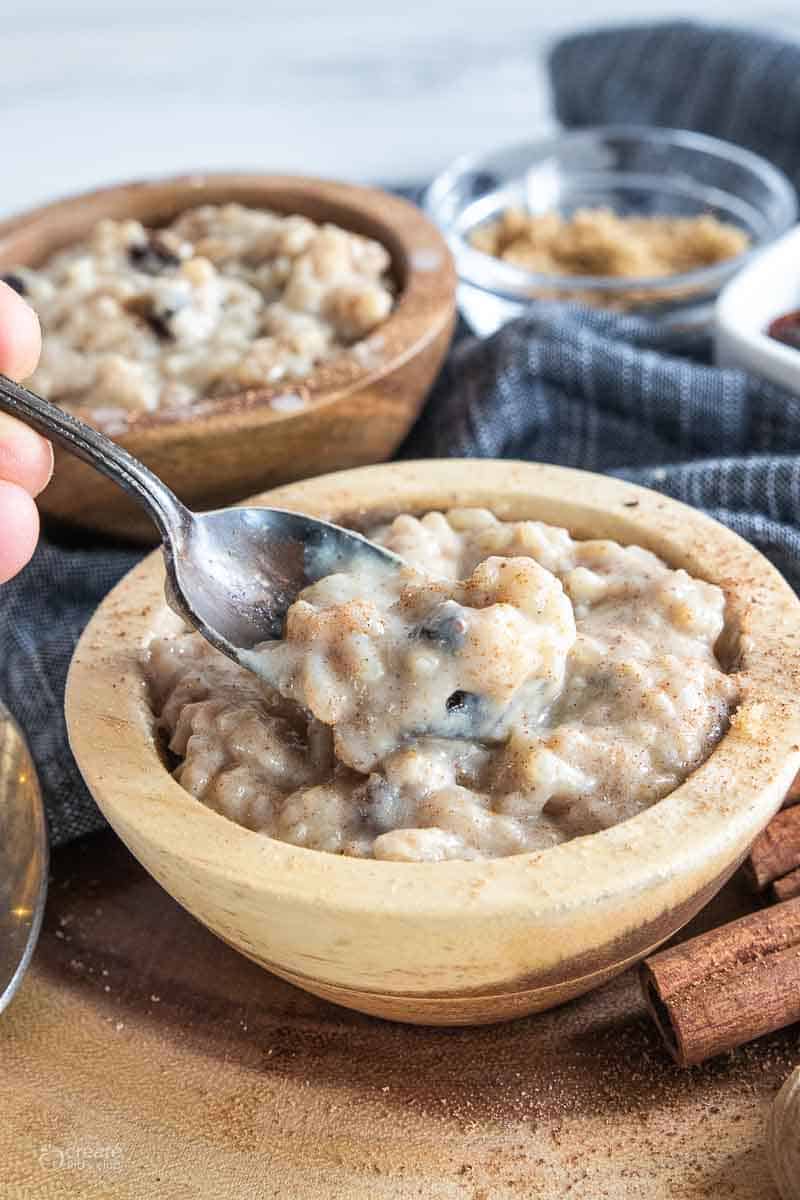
478 787
232 331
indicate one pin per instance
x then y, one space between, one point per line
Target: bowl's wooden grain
357 411
458 942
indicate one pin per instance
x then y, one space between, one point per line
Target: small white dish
766 288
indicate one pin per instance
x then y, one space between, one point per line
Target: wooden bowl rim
698 829
424 305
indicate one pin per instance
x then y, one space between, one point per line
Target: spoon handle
94 448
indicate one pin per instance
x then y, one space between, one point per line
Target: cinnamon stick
776 851
787 887
726 987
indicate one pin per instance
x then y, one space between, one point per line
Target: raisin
159 322
16 282
158 318
446 625
469 715
152 257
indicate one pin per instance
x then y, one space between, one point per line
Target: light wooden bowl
458 942
358 411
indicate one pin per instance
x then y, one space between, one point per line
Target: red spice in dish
786 329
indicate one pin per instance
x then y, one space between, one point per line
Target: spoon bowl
234 573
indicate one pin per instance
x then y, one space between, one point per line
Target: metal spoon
23 857
233 573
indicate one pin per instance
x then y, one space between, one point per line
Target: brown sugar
599 242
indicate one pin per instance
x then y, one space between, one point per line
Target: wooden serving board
143 1058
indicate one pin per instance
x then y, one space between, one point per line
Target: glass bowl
633 170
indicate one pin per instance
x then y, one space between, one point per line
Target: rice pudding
510 689
223 299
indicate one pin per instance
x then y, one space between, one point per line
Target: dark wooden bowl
357 411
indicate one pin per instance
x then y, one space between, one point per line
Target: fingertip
25 457
19 529
20 335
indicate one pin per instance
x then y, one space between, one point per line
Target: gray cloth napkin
563 385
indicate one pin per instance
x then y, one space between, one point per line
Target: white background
98 90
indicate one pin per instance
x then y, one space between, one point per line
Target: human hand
26 459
